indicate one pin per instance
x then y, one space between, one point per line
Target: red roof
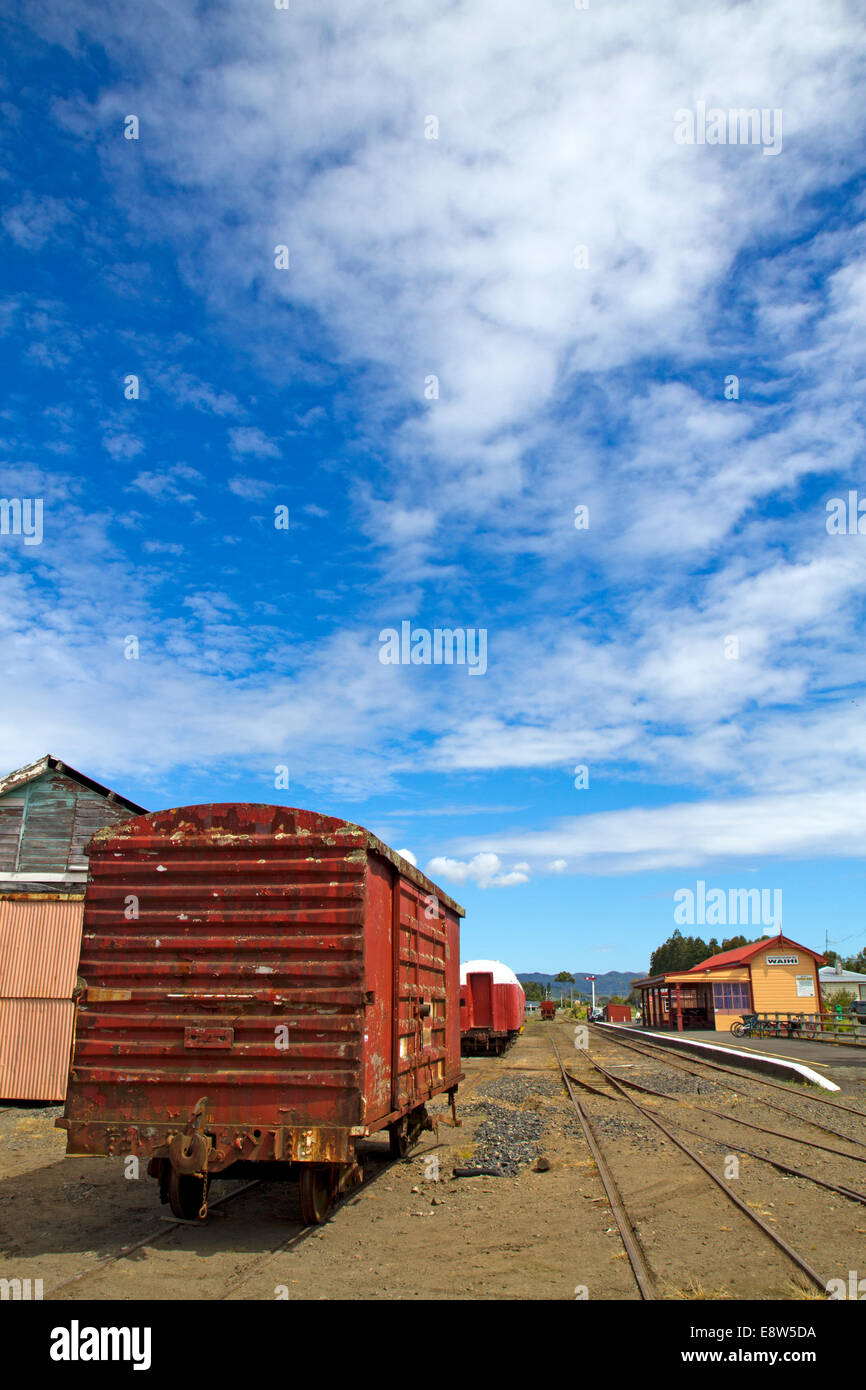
740 955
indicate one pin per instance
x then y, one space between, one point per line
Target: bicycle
746 1027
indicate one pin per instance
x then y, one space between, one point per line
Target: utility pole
592 978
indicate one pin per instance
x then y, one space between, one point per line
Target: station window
731 997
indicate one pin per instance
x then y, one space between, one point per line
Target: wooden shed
48 814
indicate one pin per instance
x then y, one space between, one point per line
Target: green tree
678 953
533 991
839 1001
731 943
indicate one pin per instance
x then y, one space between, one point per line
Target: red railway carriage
617 1013
548 1008
492 1006
261 987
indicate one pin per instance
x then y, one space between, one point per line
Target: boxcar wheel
186 1193
398 1138
314 1187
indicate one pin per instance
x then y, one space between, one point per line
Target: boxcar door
481 984
421 994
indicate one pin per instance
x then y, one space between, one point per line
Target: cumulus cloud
34 220
248 439
122 446
681 835
250 489
485 869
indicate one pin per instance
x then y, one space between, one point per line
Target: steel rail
300 1236
643 1278
151 1239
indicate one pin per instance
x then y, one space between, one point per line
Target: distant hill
614 982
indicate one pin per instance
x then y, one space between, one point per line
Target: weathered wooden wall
46 824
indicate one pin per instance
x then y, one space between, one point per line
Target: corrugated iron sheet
39 945
35 1047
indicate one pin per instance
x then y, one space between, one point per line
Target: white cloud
409 856
250 489
249 439
35 219
684 835
163 548
484 869
122 446
165 486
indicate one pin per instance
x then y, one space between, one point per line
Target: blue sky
564 380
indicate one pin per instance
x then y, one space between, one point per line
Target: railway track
619 1090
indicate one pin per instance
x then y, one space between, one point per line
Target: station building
773 975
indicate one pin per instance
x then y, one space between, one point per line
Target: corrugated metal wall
40 939
39 944
35 1048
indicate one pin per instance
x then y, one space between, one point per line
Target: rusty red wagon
492 1007
260 988
548 1008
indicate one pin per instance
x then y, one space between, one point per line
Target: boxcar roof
233 822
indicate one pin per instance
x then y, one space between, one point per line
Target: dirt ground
415 1232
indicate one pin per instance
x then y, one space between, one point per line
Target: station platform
815 1054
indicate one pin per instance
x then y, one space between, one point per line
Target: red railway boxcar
617 1013
548 1008
492 1006
261 987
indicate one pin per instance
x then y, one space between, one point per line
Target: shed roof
828 973
31 771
